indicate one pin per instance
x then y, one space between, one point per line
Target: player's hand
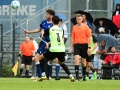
19 58
104 51
26 31
71 50
47 45
89 53
33 58
42 31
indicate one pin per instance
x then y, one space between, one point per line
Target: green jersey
56 39
93 41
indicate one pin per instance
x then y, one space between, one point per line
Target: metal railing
40 12
29 18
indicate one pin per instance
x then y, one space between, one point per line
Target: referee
27 50
81 41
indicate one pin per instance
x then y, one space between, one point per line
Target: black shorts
27 60
81 49
52 55
90 58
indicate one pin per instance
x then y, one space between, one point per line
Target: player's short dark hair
61 20
56 19
31 38
50 11
83 14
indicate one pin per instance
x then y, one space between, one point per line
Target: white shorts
95 61
95 64
100 63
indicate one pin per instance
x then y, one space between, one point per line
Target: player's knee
83 64
60 63
36 59
76 61
89 64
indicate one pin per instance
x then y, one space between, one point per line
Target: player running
43 27
56 50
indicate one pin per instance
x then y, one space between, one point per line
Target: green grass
63 84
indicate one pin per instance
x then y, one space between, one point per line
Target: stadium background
32 12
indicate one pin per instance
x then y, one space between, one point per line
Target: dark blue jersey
44 26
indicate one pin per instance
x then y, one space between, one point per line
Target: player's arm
72 40
33 48
63 38
32 31
89 35
20 52
46 33
63 35
71 44
47 45
89 42
99 52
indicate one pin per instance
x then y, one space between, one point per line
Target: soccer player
90 58
27 50
64 27
81 34
43 27
56 50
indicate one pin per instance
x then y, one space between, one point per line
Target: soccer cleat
33 78
95 75
57 78
87 78
76 80
92 77
39 79
44 77
49 78
84 78
72 79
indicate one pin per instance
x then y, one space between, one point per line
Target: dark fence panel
1 48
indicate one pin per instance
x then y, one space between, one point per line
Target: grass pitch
63 84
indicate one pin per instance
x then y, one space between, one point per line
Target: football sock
42 65
21 70
49 70
57 70
93 71
84 71
26 73
77 71
65 68
39 71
